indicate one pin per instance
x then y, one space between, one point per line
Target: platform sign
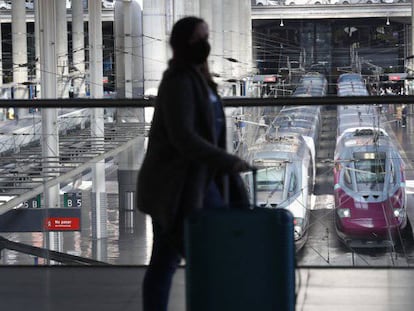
33 202
72 199
41 220
62 224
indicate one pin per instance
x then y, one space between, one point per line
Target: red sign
62 223
394 77
269 79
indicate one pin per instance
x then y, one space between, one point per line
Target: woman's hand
242 166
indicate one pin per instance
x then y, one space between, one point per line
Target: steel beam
300 12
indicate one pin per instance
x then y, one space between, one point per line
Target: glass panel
299 146
270 179
367 188
322 201
370 171
86 172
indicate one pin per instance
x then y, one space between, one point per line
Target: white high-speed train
285 157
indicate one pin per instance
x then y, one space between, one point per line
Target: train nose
375 228
370 221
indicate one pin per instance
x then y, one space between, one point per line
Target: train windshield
270 175
370 170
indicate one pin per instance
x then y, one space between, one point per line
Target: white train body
285 157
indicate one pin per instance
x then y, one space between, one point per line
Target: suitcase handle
226 189
254 175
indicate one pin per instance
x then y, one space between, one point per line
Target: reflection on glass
271 179
370 171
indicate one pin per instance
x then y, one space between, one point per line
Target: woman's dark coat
182 155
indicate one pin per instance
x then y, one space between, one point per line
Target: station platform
119 288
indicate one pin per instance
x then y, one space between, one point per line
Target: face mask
199 51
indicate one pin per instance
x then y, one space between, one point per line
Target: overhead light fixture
281 23
388 21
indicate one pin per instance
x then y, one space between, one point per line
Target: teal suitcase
240 259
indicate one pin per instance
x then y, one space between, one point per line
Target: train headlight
344 212
399 213
297 233
297 227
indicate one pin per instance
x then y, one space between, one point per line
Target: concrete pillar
50 136
120 51
228 44
411 61
1 57
37 47
99 202
217 39
129 49
248 38
155 42
244 48
3 111
19 50
130 84
100 249
186 8
206 13
129 163
235 39
62 50
78 50
412 28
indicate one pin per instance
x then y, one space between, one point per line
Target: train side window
392 175
347 177
292 184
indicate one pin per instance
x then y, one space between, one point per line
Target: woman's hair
182 32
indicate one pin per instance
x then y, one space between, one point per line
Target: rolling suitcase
240 259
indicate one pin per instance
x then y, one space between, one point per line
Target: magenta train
370 197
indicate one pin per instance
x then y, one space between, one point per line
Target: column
186 8
99 202
62 50
245 29
129 82
228 44
411 61
3 111
129 49
155 44
248 37
37 48
19 50
206 13
235 40
78 50
217 40
50 135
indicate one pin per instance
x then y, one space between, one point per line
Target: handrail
227 101
48 254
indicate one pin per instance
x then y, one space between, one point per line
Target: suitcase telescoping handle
254 189
254 175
